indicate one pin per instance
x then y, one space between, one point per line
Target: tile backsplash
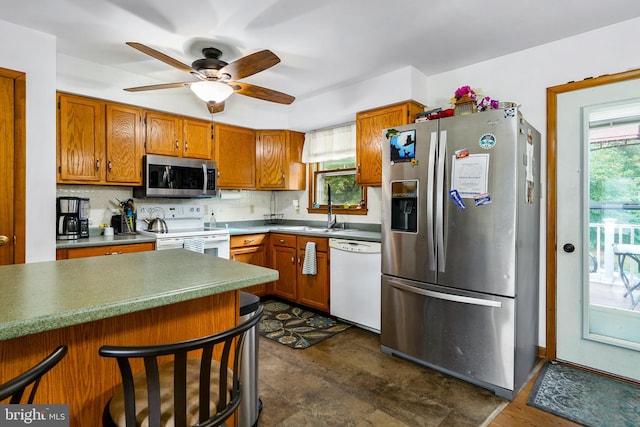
103 201
242 206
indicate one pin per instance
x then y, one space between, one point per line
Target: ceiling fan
218 79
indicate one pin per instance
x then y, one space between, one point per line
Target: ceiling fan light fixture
211 91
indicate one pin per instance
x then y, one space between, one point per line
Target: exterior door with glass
598 228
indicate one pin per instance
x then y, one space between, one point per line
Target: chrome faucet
331 219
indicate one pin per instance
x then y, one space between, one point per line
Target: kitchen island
131 299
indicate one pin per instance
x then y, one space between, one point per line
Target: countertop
364 232
99 240
337 233
49 295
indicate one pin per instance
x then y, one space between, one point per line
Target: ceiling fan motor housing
210 63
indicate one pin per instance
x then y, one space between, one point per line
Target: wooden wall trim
20 162
20 178
551 235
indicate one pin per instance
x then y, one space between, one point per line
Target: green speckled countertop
49 295
99 240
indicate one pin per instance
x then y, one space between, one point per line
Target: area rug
586 398
296 327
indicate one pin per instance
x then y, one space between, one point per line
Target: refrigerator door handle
442 154
431 249
443 296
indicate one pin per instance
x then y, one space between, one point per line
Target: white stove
185 224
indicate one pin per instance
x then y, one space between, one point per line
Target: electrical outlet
251 208
206 210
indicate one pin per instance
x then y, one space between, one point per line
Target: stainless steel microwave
176 177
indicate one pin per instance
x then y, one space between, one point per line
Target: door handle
4 240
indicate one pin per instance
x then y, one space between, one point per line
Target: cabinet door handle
4 240
299 261
248 240
282 241
109 166
114 253
97 164
293 260
186 146
283 177
177 145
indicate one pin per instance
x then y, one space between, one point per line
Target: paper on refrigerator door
470 175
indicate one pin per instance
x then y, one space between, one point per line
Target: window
332 162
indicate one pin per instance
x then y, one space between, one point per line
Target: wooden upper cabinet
197 139
235 149
279 160
124 144
272 159
162 134
81 139
172 135
297 178
369 127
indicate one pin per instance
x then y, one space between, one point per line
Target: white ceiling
323 44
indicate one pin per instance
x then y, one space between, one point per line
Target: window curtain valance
329 144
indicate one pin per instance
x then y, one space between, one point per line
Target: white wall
34 53
340 105
524 76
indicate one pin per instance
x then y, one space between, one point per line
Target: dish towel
309 264
195 245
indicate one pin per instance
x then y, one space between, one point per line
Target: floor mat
296 327
585 397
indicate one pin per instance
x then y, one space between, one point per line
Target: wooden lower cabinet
251 249
104 250
287 256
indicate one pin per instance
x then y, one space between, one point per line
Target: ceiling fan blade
261 93
215 107
160 86
250 64
164 58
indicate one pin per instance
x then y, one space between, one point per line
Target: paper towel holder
229 194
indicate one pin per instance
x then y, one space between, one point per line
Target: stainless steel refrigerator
460 246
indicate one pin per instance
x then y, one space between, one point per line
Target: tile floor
347 381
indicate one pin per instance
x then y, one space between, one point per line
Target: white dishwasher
355 282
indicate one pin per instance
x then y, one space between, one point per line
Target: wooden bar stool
16 387
191 388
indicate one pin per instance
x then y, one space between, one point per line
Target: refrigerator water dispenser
404 206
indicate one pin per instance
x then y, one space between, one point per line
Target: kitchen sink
298 228
313 229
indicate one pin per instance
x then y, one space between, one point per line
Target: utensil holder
128 224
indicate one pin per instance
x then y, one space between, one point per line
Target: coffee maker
72 218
